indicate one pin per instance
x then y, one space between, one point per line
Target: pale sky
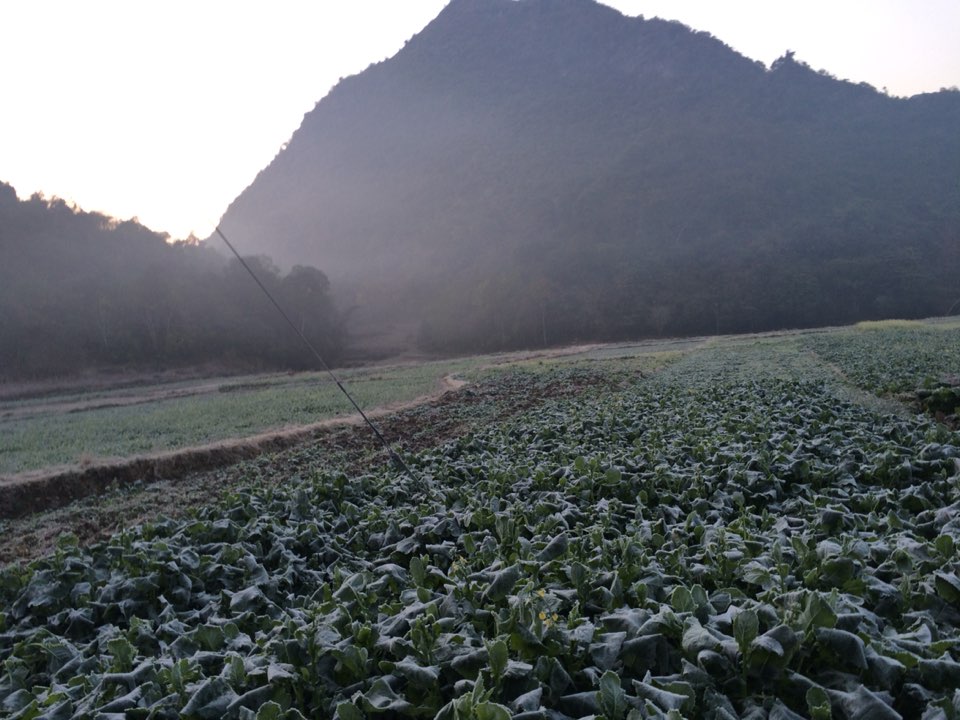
167 110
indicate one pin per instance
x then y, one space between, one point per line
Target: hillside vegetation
80 290
528 173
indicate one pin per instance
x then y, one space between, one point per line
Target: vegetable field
68 429
732 536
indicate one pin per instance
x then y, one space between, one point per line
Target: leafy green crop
892 360
712 542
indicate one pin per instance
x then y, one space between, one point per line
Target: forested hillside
534 172
82 290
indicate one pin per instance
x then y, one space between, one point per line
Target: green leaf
746 625
479 694
945 546
123 654
418 571
818 704
551 673
16 701
948 587
348 711
498 655
765 649
681 600
491 711
817 613
578 574
940 673
234 670
699 595
837 571
210 637
756 574
270 711
611 697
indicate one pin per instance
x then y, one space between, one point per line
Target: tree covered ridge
80 289
535 172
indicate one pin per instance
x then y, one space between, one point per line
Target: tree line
80 289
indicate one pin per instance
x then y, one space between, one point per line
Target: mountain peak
629 174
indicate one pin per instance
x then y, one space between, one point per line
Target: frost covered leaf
663 699
948 587
498 656
382 698
554 549
862 704
611 698
818 704
817 613
847 646
502 584
746 625
756 574
210 700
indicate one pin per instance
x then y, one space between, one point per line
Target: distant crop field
77 429
742 530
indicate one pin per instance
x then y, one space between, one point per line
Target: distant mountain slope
534 171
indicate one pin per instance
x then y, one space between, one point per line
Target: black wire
323 363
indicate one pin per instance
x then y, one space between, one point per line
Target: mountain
81 290
529 172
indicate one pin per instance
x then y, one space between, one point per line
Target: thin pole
323 363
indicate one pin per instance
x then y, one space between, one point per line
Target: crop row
698 545
893 360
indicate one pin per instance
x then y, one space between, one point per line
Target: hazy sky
167 110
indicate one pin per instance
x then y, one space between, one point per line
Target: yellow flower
542 615
541 592
555 617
